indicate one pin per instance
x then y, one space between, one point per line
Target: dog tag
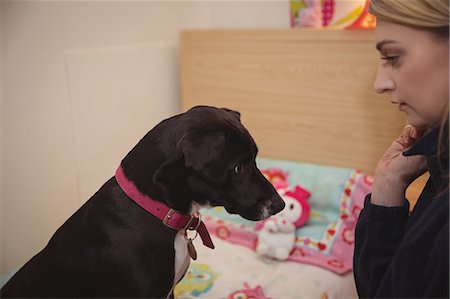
191 250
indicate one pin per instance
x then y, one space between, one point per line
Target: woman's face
414 71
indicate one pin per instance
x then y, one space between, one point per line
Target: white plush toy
276 235
276 238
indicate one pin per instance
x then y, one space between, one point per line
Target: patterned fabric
326 240
234 271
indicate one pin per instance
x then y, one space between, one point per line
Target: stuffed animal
277 177
277 234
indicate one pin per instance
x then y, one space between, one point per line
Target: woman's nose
383 82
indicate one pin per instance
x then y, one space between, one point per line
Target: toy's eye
239 168
291 206
239 295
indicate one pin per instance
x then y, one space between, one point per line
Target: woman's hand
395 172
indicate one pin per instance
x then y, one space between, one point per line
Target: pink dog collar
170 217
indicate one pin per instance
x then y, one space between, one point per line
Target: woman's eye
390 59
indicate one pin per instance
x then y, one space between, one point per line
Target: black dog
113 247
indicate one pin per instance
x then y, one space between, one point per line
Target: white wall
1 127
70 71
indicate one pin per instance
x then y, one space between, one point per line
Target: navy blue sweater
402 255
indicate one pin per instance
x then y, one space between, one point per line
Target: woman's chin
418 123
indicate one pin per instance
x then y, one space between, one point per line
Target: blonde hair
431 15
443 134
443 148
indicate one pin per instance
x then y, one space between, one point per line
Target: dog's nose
276 204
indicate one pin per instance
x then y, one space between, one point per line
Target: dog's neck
195 208
177 196
171 218
157 170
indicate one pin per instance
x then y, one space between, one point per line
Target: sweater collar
427 145
437 162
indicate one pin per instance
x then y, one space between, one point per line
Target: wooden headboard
305 95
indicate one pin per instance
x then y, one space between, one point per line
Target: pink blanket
331 247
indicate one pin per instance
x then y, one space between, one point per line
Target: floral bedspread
319 266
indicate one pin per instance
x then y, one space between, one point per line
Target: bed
306 97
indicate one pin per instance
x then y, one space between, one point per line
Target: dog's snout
272 206
276 204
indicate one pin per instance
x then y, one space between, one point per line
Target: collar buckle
169 216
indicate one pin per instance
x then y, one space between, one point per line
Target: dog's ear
170 176
205 154
234 113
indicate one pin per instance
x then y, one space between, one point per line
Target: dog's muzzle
272 206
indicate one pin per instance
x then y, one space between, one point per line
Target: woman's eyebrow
384 42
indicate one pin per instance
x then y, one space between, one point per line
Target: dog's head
211 161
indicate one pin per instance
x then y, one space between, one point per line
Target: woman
400 254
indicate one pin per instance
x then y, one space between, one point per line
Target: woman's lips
401 105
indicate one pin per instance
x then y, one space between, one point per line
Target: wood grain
305 95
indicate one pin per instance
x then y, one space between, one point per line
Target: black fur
111 247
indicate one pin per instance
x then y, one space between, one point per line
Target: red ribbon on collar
170 217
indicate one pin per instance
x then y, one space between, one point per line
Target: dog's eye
239 168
